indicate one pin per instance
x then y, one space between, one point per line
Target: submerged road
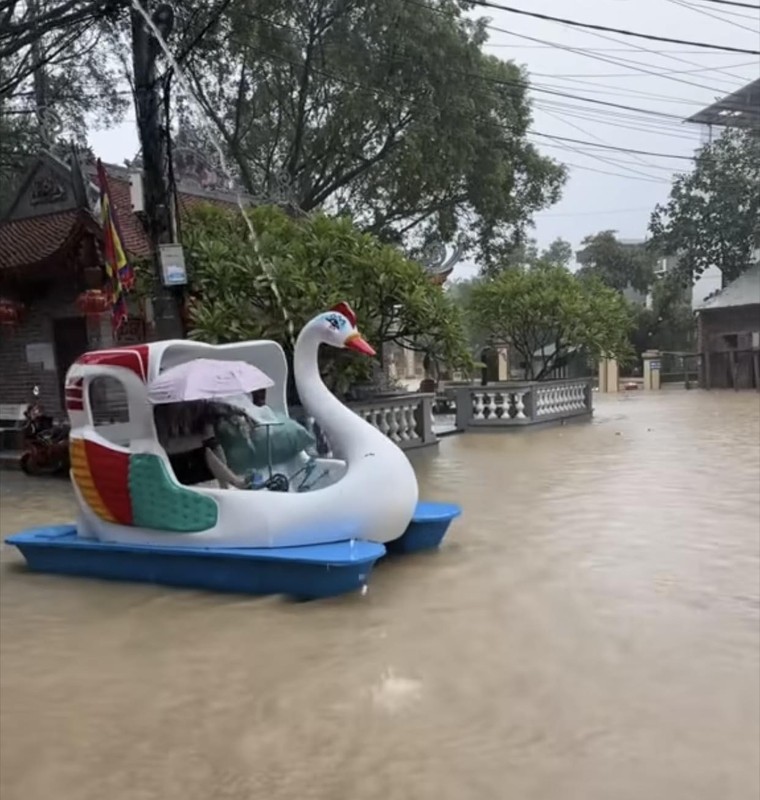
590 631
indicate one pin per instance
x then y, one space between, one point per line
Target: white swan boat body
127 491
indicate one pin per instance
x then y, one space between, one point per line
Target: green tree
559 253
545 313
386 110
460 294
615 264
668 322
318 261
712 217
525 254
58 79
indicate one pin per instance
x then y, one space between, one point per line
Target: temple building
50 256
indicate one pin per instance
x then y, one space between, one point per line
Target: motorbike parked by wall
46 443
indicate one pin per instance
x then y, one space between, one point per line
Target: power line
609 49
616 91
621 31
614 174
730 3
600 212
626 165
736 14
585 52
615 120
633 74
593 135
698 10
611 147
659 73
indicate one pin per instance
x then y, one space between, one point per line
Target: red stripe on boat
134 359
110 474
74 405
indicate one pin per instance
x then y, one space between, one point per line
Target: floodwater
590 631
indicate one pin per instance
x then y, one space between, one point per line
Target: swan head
337 328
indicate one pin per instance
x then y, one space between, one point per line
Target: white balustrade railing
514 405
560 398
406 419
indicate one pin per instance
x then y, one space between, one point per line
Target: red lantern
10 312
93 302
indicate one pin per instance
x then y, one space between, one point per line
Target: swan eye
336 322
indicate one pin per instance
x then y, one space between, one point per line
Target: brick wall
55 301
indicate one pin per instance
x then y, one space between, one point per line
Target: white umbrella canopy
207 379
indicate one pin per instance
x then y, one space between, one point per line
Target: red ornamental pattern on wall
11 312
93 302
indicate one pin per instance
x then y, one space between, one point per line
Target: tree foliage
712 217
667 323
385 110
525 254
58 78
546 312
316 262
615 264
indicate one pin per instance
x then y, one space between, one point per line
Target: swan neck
336 420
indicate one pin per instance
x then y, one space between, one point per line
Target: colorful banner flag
118 269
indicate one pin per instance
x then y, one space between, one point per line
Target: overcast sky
685 80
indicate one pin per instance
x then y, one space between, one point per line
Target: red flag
118 268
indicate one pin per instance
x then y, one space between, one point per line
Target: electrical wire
616 91
613 120
632 74
587 132
656 53
724 11
628 49
697 10
614 174
585 52
611 147
593 213
626 165
734 3
637 65
619 31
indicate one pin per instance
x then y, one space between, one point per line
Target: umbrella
207 379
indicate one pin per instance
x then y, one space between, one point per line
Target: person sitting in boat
245 438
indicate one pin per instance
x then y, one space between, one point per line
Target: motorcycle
46 444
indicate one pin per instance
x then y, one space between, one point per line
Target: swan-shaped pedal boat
136 515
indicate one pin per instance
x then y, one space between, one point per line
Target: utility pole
145 52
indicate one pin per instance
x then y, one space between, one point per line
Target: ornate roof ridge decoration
437 260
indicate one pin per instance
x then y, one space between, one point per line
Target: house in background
728 335
740 109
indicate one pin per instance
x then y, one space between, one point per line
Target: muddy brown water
590 631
